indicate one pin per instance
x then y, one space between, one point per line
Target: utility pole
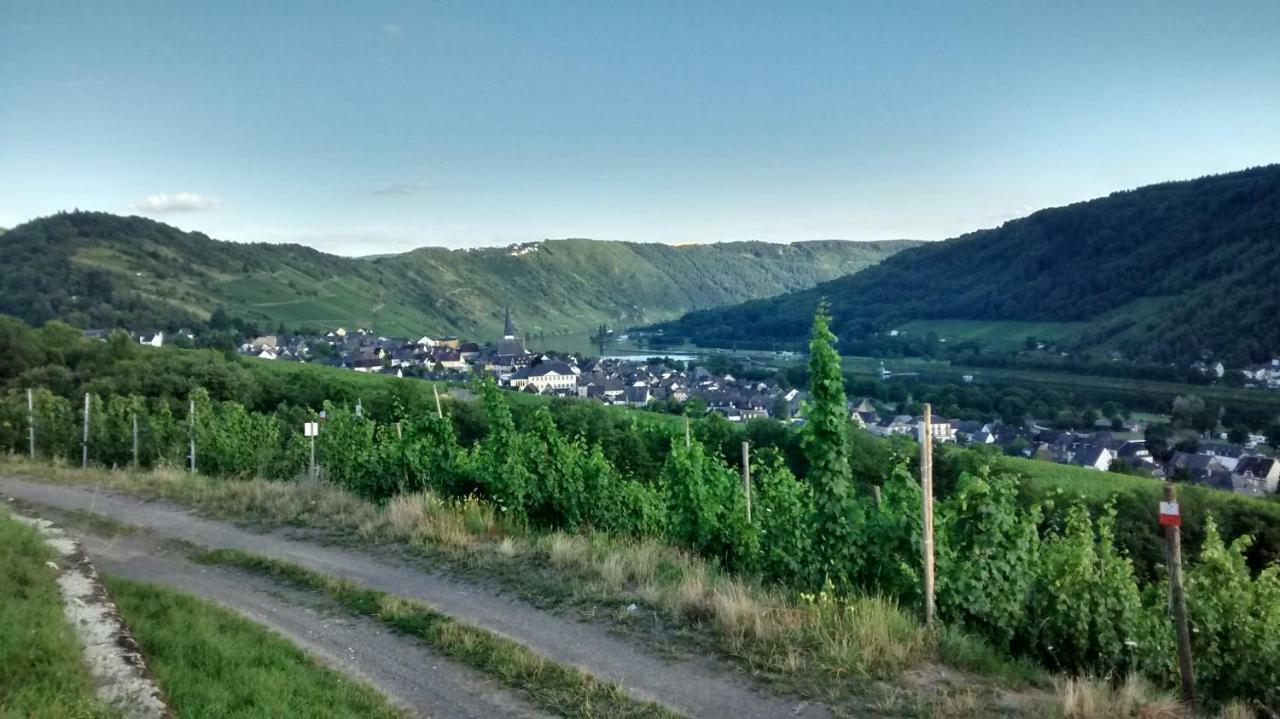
1171 519
926 497
31 424
84 440
746 476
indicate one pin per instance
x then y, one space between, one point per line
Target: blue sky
375 127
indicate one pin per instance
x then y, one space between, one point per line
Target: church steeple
508 327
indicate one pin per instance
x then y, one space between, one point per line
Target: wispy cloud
400 188
391 28
178 202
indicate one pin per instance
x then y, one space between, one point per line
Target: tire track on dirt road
695 687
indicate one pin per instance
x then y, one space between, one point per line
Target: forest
1071 579
1208 250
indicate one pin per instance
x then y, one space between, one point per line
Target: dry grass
1085 698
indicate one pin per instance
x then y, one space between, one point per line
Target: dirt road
402 668
701 688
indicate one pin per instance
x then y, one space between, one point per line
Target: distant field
1002 336
1119 387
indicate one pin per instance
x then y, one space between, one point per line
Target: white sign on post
312 429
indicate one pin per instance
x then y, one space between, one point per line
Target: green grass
995 335
555 687
42 669
210 662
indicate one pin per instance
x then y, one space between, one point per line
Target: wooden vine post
688 442
31 423
1171 520
439 410
84 440
926 500
191 417
746 476
134 419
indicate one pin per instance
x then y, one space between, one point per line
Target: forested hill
102 270
1162 273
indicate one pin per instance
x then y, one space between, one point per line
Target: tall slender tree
826 446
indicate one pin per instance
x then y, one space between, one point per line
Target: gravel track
700 688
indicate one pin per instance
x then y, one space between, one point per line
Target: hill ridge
99 269
1210 246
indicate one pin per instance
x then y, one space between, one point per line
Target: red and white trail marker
1169 514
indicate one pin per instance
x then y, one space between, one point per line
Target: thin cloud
391 28
178 202
400 188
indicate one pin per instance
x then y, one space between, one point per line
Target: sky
372 127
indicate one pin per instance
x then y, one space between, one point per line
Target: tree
1238 434
827 450
1157 441
218 321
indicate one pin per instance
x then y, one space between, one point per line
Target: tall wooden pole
1178 596
84 440
926 496
746 476
191 419
134 418
312 471
31 423
688 442
439 410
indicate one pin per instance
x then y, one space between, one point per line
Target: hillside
1160 273
102 270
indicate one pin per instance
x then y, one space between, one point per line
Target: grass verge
553 686
42 668
213 663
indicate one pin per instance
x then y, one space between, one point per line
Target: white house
940 429
152 340
1095 457
546 376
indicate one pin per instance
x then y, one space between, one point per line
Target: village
656 383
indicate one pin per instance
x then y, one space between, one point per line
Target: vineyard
1073 581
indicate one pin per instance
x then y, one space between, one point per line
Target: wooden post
84 440
312 471
134 419
31 423
875 494
191 420
399 432
439 410
746 476
687 441
926 497
1177 594
359 408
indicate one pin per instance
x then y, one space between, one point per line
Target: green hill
1159 273
101 270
